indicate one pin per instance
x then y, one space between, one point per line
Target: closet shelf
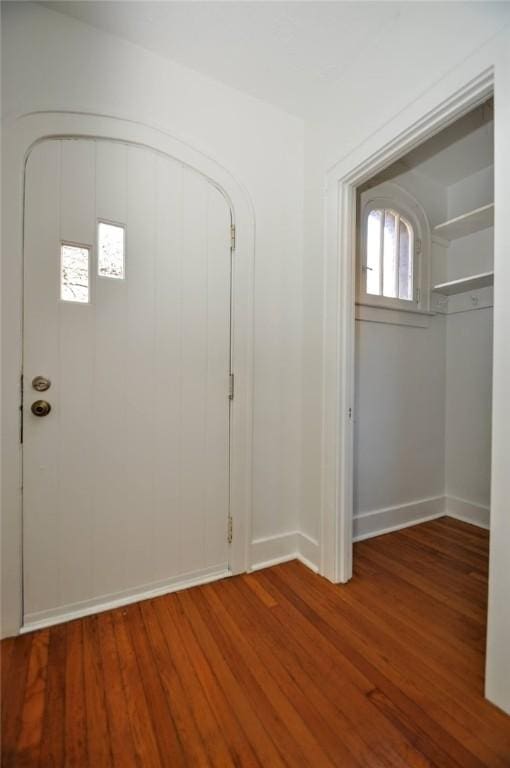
471 283
467 223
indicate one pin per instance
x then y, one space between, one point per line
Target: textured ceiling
286 53
290 54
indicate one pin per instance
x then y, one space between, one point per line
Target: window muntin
110 250
389 262
74 273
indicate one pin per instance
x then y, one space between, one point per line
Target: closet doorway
423 361
423 333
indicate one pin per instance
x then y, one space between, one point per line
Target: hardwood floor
276 668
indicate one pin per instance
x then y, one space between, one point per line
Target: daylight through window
389 257
110 247
74 273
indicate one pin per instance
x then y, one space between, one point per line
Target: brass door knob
40 408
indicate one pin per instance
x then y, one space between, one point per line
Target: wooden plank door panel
126 481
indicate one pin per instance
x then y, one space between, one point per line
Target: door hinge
231 386
21 411
418 295
350 413
229 530
233 236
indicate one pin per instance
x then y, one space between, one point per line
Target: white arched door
127 304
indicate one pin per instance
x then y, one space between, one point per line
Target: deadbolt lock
41 384
40 408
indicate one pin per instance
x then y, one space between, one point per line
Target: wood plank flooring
277 668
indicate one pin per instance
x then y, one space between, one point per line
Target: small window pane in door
74 273
110 258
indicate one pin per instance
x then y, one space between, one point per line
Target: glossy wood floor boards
276 668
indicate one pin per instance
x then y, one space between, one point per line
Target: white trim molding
468 512
308 551
367 525
367 314
379 521
117 600
19 136
272 550
294 545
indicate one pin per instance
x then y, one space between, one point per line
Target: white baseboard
264 552
468 512
60 615
308 551
295 545
272 550
283 547
380 521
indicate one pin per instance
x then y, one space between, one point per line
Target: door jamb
409 129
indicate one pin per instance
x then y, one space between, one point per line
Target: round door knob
40 408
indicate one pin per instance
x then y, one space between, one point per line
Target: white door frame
19 137
446 102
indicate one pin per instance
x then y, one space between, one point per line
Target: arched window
393 253
389 255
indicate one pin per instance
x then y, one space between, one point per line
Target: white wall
469 357
469 406
399 414
472 191
55 63
471 255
